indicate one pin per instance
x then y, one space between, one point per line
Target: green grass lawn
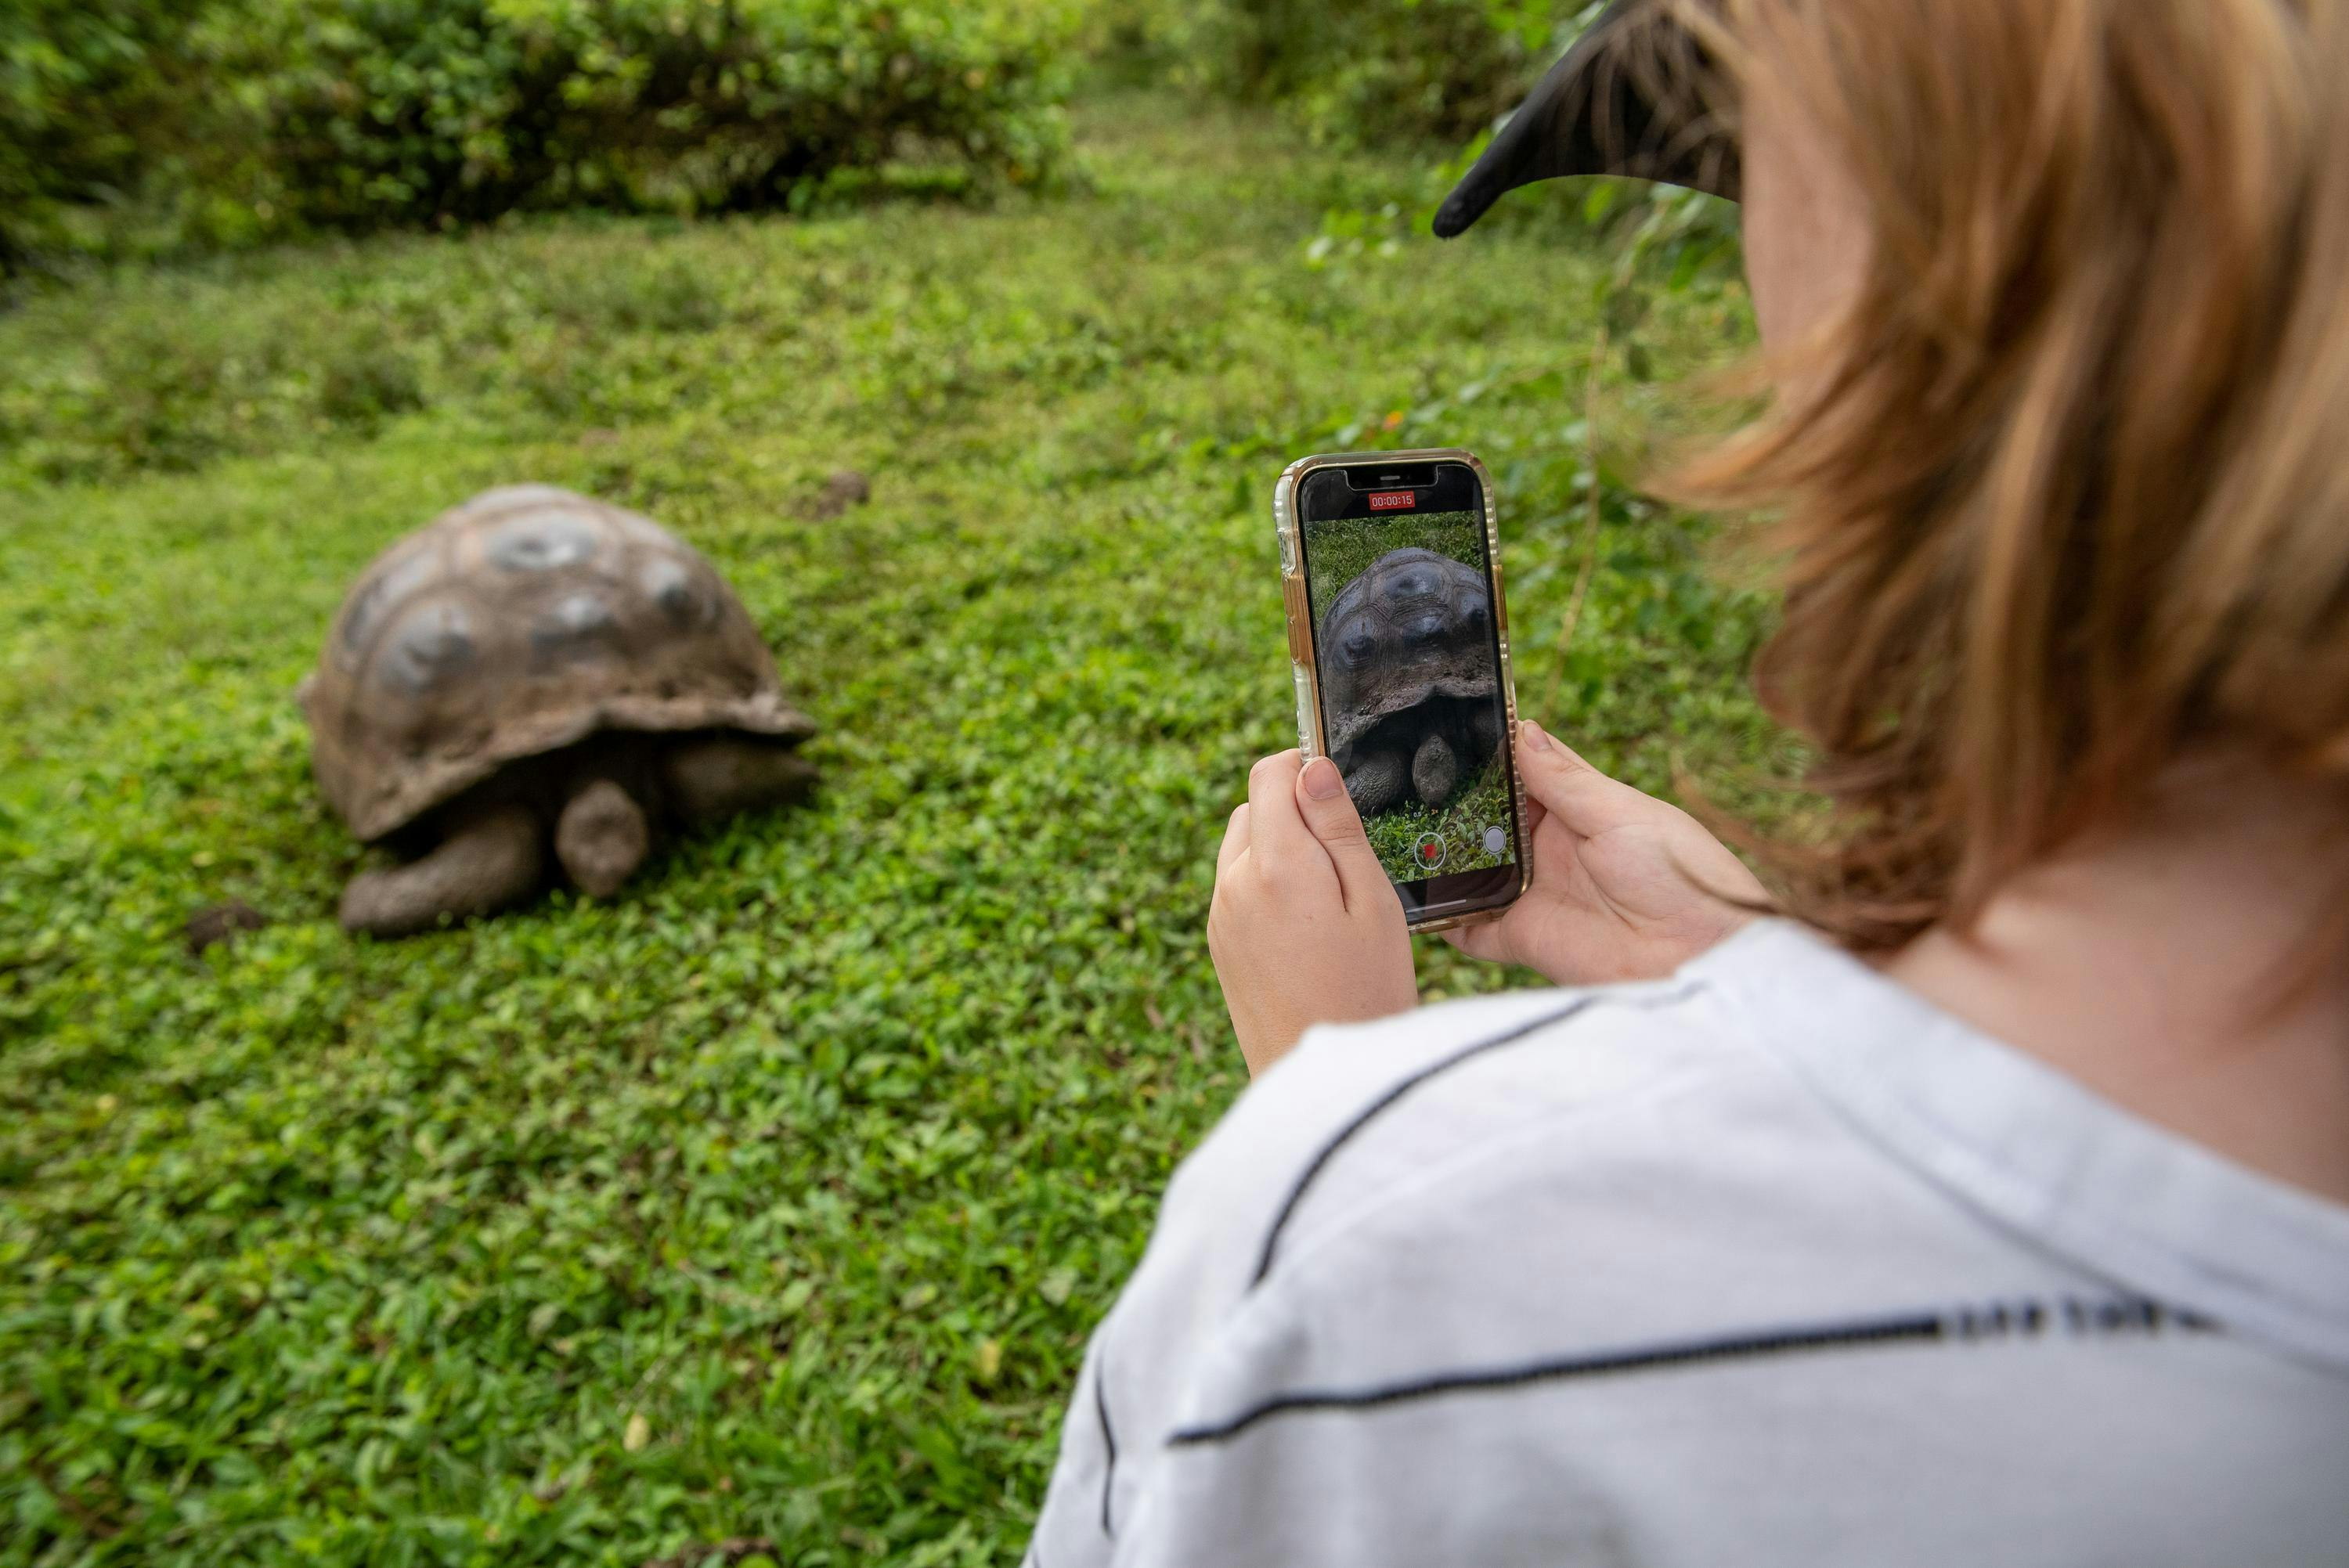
775 1198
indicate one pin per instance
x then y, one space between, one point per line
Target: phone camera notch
1399 476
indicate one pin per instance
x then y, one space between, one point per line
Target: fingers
1583 798
1235 840
1277 830
1329 812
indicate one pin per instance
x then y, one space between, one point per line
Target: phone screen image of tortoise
1411 687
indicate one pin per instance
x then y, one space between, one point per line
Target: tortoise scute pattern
391 581
670 584
429 645
545 541
582 627
1408 679
522 621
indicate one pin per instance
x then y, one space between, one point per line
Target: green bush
141 124
75 77
1380 70
1352 71
462 109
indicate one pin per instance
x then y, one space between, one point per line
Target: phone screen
1399 589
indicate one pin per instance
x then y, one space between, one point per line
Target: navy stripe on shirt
2072 1316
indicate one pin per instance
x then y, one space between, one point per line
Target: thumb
1489 942
1329 812
1567 788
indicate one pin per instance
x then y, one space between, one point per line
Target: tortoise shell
521 621
1414 627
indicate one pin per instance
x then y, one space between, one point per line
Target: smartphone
1389 562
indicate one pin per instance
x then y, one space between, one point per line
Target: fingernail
1321 779
1531 734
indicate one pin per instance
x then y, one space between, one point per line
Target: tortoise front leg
1377 781
602 838
1435 769
487 861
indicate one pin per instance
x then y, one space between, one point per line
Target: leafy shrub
236 119
74 77
1378 70
1354 71
432 110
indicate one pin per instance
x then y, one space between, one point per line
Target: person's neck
2157 966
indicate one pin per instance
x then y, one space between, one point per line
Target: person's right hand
1625 887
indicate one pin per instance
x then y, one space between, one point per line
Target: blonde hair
2064 495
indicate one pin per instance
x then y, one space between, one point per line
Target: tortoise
536 670
1410 681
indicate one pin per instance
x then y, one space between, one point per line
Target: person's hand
1305 928
1625 887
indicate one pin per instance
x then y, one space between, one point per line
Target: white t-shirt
1769 1263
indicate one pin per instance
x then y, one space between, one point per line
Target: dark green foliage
378 111
141 124
775 1198
1378 70
77 79
1356 72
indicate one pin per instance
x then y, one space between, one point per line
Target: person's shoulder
1358 1113
1552 1047
1354 1110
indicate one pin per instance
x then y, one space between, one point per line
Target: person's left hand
1305 928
